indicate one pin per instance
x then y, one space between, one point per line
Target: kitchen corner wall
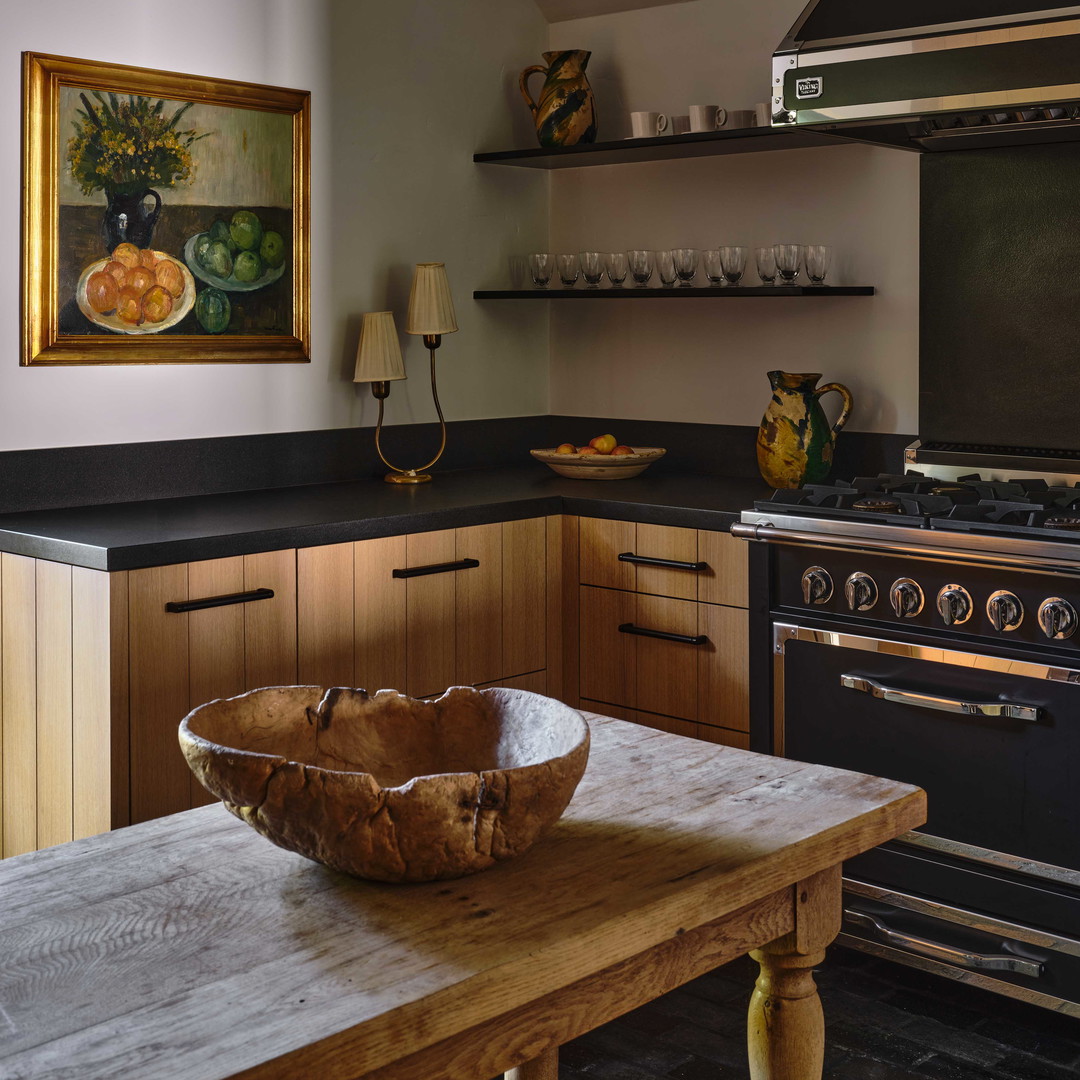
402 94
706 360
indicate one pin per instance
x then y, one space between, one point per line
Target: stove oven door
995 743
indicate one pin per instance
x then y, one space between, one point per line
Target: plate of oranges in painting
135 291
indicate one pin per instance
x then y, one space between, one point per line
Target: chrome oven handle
940 704
935 951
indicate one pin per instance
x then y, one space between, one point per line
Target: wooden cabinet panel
270 625
726 580
723 676
54 735
478 606
215 642
430 619
525 595
667 671
324 615
608 669
379 613
600 542
535 681
667 542
159 700
19 649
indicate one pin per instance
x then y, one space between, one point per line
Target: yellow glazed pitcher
795 443
566 114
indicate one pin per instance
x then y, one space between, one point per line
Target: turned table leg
545 1067
786 1027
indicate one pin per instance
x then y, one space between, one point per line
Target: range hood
932 74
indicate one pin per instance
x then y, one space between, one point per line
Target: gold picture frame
225 242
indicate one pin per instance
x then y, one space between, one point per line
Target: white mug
763 114
707 117
739 118
680 125
646 125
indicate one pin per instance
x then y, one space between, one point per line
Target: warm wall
705 361
402 94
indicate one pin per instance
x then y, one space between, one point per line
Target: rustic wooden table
189 947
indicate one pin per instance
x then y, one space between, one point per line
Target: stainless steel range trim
999 860
786 632
1019 553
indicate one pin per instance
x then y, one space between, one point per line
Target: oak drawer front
672 725
664 655
663 560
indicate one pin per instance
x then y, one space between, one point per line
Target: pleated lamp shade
431 309
378 356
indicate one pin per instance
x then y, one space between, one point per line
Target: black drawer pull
437 568
668 564
683 639
180 606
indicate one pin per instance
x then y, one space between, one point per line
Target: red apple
588 450
604 444
566 448
622 451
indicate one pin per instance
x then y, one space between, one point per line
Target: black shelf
740 292
663 148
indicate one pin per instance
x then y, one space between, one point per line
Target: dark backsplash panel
999 357
126 472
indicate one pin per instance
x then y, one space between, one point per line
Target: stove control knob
1057 618
906 597
861 591
817 586
954 605
1004 610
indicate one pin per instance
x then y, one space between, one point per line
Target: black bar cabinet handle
436 568
180 606
683 639
669 564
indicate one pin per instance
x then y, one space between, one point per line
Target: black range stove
927 629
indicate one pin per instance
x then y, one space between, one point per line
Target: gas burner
878 505
1065 524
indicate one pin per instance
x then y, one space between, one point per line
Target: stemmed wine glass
541 264
641 267
686 262
592 268
568 269
788 261
766 264
733 263
616 265
818 257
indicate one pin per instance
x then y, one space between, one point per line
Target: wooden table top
190 947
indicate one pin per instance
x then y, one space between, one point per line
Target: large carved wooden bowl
388 787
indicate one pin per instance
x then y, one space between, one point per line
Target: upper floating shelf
665 147
700 293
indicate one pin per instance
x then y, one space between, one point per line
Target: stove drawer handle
667 564
939 704
935 951
663 635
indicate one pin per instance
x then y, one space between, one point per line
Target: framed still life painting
165 217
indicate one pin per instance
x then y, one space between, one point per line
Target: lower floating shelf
734 292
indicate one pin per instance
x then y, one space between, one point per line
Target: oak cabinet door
181 659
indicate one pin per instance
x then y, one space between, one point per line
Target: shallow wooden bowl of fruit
582 466
135 292
388 787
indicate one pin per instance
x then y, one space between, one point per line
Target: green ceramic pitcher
566 112
795 442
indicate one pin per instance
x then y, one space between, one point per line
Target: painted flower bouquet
128 144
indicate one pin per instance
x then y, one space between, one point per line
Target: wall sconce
378 357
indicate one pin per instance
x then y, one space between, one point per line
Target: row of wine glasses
723 266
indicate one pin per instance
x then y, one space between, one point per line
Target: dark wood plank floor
883 1022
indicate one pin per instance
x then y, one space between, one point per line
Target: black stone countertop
127 536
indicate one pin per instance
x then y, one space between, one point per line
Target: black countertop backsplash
135 505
